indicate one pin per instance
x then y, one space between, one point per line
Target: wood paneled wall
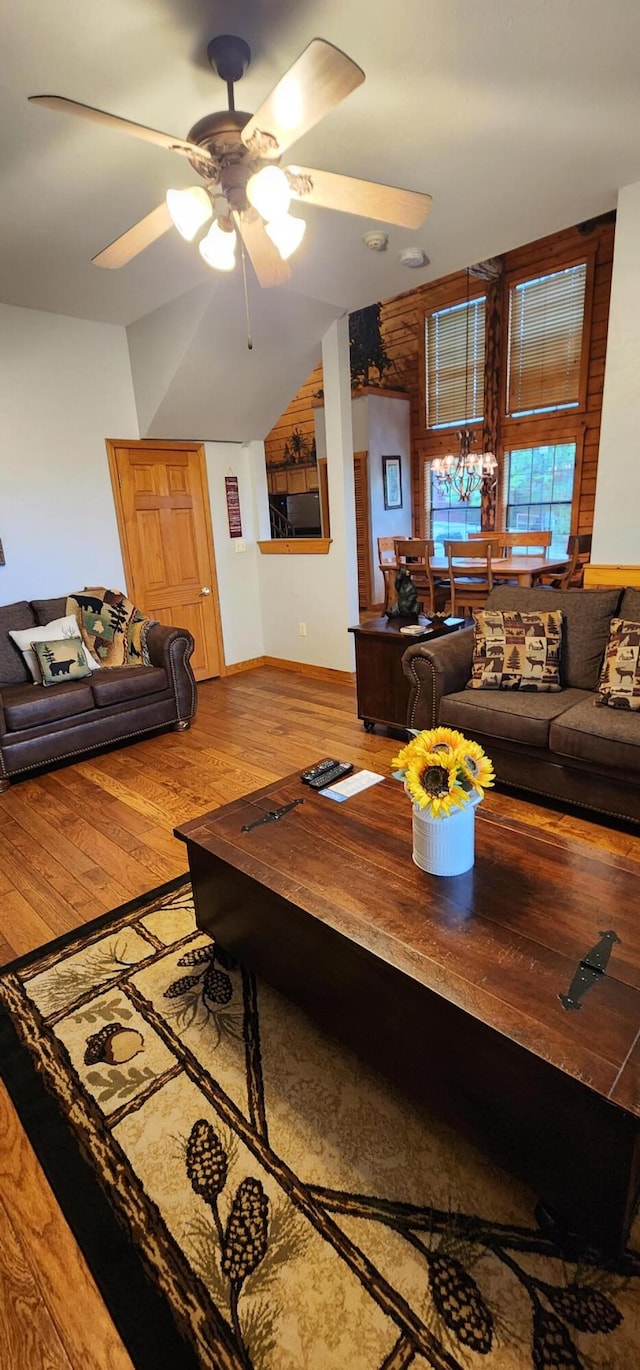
299 414
403 325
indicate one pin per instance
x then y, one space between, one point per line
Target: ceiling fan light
189 209
218 248
269 192
286 233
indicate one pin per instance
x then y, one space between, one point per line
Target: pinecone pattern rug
290 1212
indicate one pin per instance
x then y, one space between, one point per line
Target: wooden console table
383 689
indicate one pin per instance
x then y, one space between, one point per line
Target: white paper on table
353 784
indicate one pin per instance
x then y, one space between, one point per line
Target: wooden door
162 504
363 528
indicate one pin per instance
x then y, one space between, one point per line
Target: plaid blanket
111 627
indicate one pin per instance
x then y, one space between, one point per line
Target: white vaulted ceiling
519 117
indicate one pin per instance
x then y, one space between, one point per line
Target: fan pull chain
246 295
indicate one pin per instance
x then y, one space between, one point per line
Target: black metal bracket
272 815
590 970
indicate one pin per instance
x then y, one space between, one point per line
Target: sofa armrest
172 648
435 669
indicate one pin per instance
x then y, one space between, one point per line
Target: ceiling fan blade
408 208
267 262
99 116
129 244
317 81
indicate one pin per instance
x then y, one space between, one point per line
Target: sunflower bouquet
443 771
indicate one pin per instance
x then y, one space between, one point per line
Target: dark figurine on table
407 604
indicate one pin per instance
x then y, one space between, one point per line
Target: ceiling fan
237 154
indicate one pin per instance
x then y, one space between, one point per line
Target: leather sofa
41 725
557 744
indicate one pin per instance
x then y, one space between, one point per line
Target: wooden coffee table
452 986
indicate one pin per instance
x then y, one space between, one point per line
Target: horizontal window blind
454 347
545 342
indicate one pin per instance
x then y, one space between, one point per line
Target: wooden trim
198 447
577 475
293 546
251 664
318 672
369 390
611 576
323 487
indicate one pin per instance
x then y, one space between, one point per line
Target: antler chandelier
464 472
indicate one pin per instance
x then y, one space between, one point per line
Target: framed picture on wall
392 482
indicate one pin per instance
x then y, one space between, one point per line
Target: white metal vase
445 846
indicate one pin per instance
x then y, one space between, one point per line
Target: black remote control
321 769
337 771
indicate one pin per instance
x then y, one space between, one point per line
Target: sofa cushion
30 706
587 615
507 714
120 683
58 629
61 659
619 684
13 668
604 737
630 605
516 651
47 609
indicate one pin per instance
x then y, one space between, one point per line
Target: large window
544 354
538 490
446 515
454 356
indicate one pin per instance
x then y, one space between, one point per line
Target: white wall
320 591
65 386
616 528
388 423
237 559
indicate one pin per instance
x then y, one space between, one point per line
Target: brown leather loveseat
555 744
40 725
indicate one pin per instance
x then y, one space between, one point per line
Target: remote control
321 769
337 772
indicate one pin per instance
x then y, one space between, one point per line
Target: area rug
278 1206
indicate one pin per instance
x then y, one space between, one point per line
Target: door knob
206 590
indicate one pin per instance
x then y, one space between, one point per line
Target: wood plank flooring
77 842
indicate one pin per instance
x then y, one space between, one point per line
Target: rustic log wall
403 330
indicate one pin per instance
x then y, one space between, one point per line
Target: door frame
164 445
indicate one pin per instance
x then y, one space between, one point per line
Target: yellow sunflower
476 765
445 739
441 740
432 782
411 754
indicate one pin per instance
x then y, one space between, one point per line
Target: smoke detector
376 240
413 256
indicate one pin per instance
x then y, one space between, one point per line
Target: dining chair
388 566
416 555
468 586
533 542
572 578
493 540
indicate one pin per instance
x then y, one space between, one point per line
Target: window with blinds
454 353
546 317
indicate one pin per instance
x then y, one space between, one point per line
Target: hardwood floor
77 842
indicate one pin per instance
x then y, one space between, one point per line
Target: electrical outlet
302 629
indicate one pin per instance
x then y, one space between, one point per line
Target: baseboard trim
251 664
318 672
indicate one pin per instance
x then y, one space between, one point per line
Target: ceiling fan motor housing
229 56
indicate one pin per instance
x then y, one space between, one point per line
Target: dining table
521 569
